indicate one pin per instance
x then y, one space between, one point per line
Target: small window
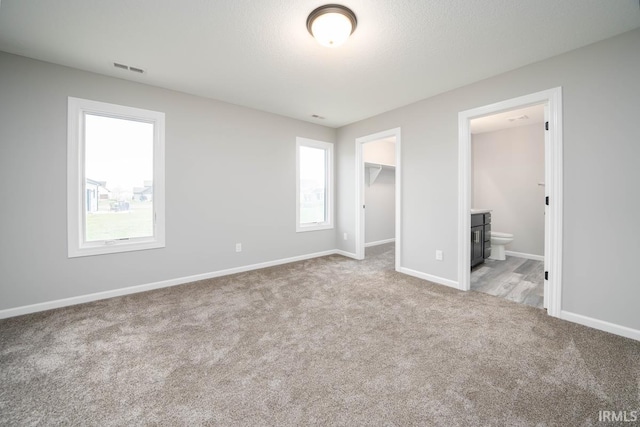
115 180
314 195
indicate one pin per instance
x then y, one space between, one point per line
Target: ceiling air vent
129 68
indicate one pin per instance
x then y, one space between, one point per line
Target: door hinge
546 275
546 200
546 125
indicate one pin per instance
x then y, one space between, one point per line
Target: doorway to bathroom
524 257
508 194
378 193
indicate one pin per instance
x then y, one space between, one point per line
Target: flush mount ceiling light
331 24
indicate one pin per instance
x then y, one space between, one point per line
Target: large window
314 196
115 178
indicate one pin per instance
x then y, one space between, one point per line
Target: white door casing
552 98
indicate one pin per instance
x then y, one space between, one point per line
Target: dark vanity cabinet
480 237
477 243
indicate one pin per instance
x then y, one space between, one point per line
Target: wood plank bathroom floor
516 279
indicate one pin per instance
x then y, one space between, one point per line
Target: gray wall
382 152
380 214
230 177
507 167
216 187
601 94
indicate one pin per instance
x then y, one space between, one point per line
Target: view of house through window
119 178
314 172
312 185
115 178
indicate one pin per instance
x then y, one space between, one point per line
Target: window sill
112 248
314 227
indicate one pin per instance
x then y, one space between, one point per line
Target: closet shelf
378 165
375 169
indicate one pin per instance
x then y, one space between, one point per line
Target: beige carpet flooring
329 341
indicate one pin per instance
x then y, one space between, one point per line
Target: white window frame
328 147
76 179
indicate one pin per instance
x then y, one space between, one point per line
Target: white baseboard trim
429 277
345 253
65 302
379 242
624 331
523 255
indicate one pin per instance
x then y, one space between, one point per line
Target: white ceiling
508 119
258 53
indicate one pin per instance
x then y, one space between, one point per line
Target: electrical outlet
238 247
439 255
345 236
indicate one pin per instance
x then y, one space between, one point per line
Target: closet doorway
378 192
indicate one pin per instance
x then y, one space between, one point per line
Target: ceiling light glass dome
332 24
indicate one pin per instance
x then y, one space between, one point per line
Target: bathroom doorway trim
552 99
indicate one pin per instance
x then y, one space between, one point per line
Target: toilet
498 242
